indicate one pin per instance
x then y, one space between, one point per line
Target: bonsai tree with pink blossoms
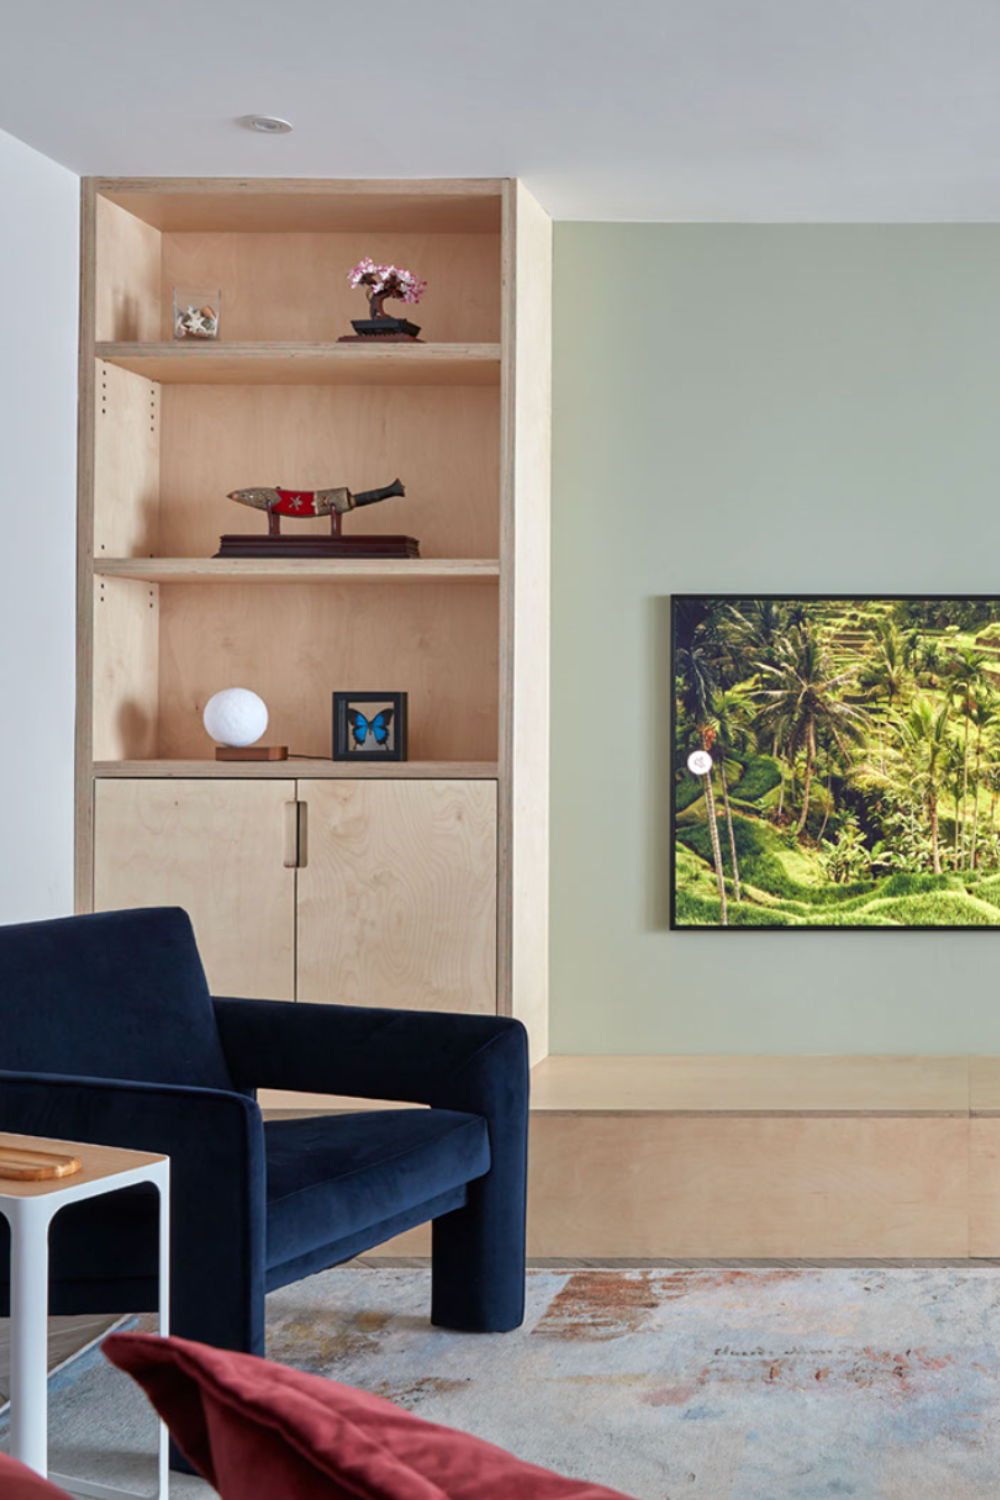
382 282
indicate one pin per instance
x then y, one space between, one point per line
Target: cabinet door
397 894
217 848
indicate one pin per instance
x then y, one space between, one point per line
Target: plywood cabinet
216 848
360 892
397 894
424 884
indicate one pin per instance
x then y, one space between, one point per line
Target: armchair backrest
121 994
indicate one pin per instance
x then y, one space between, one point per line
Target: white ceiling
644 109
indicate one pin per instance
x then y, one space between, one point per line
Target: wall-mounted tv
835 762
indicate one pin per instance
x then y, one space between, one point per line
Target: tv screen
836 762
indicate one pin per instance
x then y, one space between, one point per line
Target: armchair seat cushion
330 1177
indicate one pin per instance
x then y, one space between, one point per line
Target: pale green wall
751 409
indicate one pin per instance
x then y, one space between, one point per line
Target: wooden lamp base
251 752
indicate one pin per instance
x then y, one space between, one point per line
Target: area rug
694 1384
774 1384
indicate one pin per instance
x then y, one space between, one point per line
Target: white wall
38 342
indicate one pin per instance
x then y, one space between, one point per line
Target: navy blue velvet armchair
108 1034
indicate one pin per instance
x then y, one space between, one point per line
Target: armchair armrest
166 1118
215 1141
476 1064
472 1063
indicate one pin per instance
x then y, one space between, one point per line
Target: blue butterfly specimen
378 727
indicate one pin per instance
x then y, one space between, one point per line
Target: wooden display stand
251 752
261 545
423 884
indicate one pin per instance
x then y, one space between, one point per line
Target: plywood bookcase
453 842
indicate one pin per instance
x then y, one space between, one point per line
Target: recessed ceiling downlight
266 124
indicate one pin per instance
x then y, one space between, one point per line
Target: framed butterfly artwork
369 726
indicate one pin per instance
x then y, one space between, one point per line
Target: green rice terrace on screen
836 762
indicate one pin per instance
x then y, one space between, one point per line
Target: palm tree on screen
966 677
699 681
732 734
984 717
925 742
803 699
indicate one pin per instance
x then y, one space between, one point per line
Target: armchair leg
478 1267
221 1311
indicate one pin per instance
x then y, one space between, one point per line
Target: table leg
163 1185
29 1332
160 1178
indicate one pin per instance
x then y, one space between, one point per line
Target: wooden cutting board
24 1165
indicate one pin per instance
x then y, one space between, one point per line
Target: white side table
29 1208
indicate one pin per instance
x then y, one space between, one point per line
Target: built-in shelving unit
169 429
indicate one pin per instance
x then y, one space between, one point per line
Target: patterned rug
693 1385
668 1385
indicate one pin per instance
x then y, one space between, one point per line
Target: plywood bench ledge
810 1085
984 1085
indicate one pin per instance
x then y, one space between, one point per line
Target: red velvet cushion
20 1483
256 1428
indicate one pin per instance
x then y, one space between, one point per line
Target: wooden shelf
307 364
300 766
300 569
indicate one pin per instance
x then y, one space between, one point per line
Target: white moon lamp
699 762
235 717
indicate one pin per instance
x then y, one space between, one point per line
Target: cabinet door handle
302 832
291 836
295 835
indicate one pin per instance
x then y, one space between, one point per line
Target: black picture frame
356 741
859 599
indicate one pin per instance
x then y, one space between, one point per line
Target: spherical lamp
235 717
